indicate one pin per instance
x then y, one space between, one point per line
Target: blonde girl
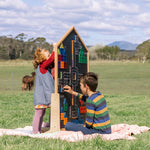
44 85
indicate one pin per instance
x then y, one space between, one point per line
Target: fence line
12 80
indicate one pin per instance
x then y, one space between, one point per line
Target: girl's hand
68 89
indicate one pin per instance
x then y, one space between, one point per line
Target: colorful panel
72 63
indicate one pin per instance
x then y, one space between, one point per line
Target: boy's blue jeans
78 127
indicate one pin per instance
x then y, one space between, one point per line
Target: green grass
122 77
11 73
125 86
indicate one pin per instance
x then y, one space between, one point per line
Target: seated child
97 117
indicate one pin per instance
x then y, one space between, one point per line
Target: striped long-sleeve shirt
97 116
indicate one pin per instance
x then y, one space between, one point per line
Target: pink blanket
119 131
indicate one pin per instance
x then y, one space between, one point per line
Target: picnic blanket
119 131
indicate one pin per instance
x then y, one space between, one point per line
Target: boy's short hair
91 79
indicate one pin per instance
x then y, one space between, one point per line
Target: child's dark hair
91 79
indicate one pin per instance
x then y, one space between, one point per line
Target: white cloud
98 25
120 6
147 32
54 18
144 17
67 4
93 5
12 4
141 21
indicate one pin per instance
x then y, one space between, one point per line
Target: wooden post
55 99
56 66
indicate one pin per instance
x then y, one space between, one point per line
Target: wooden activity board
71 61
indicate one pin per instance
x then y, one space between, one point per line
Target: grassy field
125 85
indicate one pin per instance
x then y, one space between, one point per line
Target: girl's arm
49 62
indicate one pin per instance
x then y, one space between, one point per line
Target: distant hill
123 45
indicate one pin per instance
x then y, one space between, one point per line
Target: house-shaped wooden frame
71 61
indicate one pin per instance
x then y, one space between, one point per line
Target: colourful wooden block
62 64
85 60
62 58
81 102
65 65
61 116
59 64
83 109
65 120
65 107
59 57
65 58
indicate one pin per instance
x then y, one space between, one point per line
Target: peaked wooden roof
67 33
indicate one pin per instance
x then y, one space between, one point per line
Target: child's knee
68 125
39 112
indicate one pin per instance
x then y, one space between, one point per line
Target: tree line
21 47
107 52
142 52
112 53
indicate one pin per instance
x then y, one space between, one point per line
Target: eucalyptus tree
143 51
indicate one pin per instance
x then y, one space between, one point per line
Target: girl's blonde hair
38 57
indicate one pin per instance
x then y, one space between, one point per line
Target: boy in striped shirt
97 117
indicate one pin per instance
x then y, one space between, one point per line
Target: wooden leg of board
55 113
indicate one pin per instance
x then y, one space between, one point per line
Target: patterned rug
119 131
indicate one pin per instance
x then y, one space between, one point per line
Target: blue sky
97 21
